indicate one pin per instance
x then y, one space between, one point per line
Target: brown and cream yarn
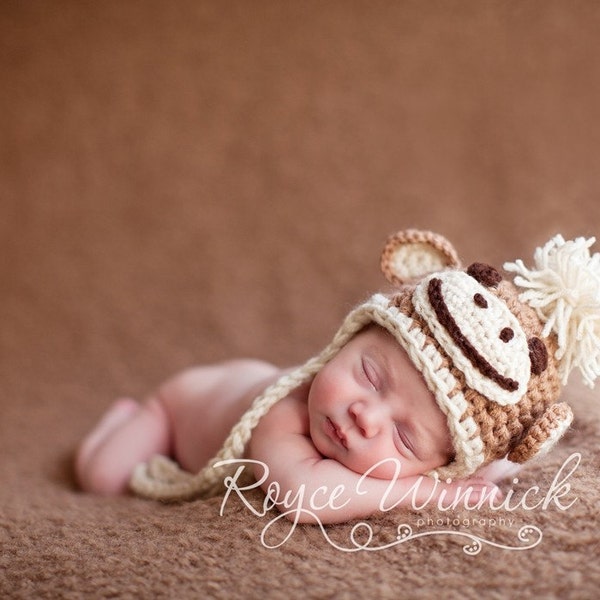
493 353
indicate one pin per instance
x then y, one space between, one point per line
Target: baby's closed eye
403 440
371 373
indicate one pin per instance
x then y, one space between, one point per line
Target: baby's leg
127 435
204 403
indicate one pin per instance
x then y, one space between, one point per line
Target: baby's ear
411 254
543 434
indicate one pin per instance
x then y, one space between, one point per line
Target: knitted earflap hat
493 353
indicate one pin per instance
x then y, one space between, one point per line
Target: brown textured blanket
183 182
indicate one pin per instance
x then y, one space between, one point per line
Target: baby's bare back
204 403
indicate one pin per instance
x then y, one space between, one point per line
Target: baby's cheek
324 391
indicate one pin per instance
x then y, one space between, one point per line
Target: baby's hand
467 493
470 493
498 470
483 491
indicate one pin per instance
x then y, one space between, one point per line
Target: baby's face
370 403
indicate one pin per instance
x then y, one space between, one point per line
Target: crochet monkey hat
493 353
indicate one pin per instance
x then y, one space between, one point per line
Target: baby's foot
119 413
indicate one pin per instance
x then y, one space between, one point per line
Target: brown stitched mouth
436 298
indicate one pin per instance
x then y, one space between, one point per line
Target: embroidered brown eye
507 334
480 301
484 274
538 355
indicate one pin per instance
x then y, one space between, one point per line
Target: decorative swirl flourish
529 536
362 536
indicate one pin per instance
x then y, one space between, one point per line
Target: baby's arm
280 441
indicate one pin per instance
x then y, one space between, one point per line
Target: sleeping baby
444 384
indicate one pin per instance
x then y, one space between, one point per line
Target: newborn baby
453 375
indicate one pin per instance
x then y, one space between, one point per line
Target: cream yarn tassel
564 289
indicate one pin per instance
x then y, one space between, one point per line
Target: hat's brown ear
544 433
411 254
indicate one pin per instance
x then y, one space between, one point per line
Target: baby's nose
368 417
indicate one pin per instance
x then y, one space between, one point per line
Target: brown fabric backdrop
187 181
